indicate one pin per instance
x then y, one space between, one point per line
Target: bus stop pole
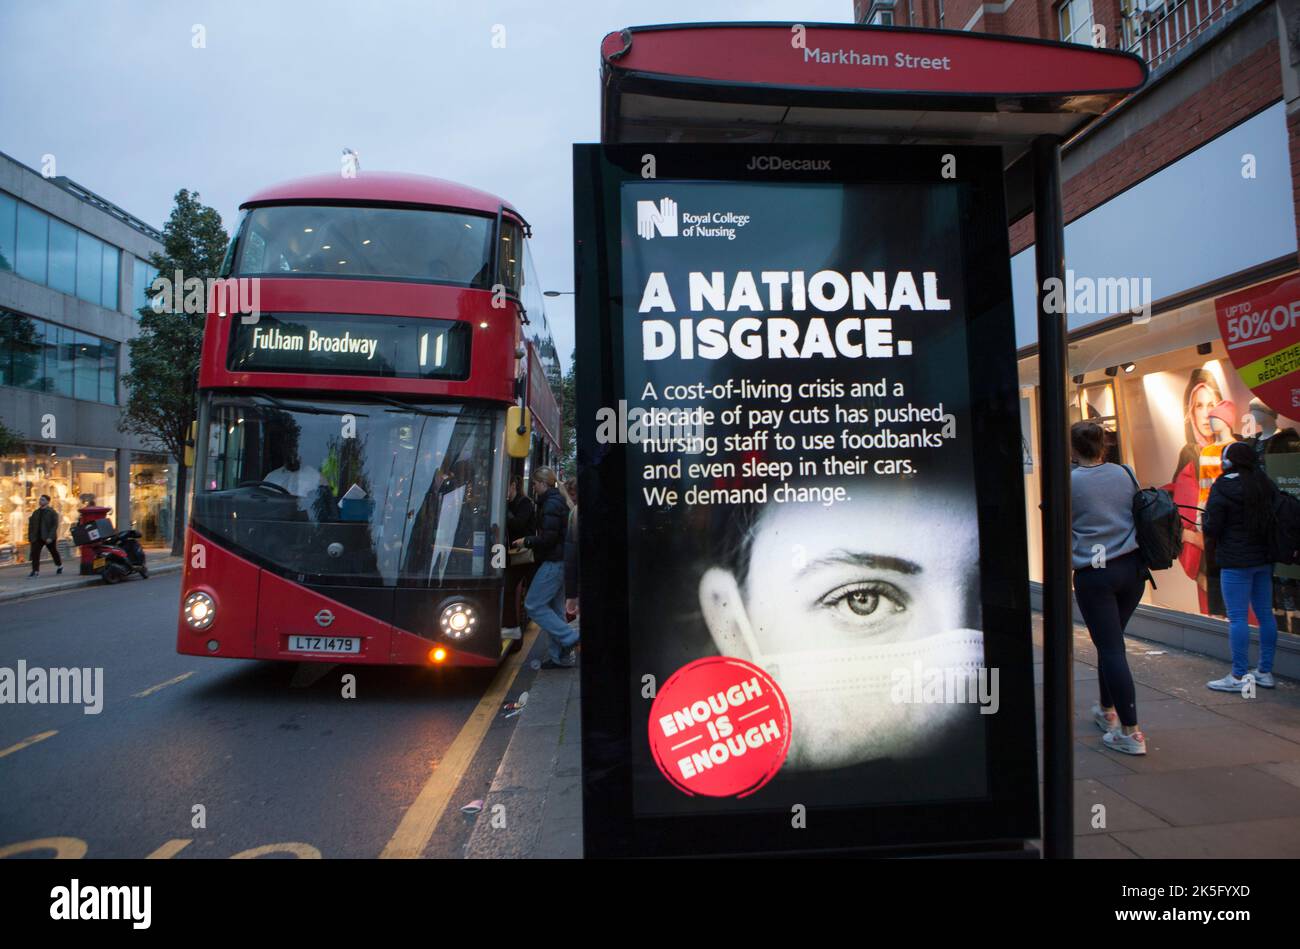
1058 618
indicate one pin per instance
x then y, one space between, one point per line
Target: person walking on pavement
545 600
1109 577
1237 522
42 532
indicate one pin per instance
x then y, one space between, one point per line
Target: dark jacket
571 557
519 520
1224 522
547 544
43 525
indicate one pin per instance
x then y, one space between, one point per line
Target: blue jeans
545 604
1245 587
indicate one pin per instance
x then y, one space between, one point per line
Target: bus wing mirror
190 442
519 430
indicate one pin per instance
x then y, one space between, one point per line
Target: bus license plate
345 644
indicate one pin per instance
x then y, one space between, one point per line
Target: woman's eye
866 600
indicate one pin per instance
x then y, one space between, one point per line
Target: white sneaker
1264 680
1134 744
1106 721
512 632
1229 683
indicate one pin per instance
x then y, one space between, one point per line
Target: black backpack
1159 525
1284 542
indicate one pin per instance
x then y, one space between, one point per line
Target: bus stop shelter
791 83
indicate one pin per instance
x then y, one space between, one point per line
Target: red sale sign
1260 327
720 727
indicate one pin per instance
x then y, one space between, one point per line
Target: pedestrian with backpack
1109 578
1239 524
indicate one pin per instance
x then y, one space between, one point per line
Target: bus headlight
199 610
458 620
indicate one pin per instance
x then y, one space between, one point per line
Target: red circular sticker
719 727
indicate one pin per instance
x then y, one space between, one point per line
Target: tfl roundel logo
324 618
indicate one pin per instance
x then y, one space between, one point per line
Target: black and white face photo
839 604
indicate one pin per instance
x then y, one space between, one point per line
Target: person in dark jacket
519 524
42 532
571 550
1237 522
545 600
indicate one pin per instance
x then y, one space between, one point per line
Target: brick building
1185 193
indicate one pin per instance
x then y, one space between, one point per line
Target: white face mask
852 704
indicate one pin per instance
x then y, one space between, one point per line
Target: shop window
71 477
1095 402
153 486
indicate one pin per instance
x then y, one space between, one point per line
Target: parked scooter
119 555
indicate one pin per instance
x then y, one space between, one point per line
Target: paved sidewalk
15 584
1221 777
534 807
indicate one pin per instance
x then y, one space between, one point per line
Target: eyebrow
858 558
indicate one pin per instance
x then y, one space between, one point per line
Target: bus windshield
364 493
348 241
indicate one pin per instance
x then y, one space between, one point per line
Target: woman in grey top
1109 577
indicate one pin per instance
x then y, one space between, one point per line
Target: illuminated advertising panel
805 614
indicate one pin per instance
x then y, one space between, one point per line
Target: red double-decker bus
353 446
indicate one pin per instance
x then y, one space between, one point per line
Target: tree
162 383
10 443
568 392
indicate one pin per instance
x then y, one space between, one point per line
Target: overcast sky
116 91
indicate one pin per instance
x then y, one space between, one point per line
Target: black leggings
1107 597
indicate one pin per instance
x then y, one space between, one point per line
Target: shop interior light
1112 370
1130 366
1078 380
1204 349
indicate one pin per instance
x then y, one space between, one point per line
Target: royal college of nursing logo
651 217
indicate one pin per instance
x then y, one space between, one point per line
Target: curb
536 792
77 582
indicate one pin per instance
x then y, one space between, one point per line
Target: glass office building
73 270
